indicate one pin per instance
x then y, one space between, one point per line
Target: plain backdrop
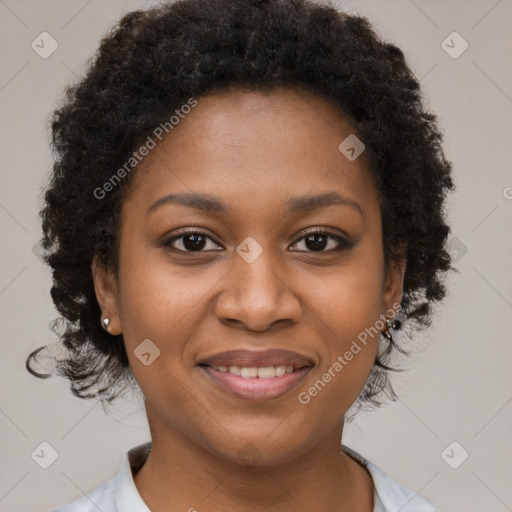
458 388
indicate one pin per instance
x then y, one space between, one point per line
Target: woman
247 203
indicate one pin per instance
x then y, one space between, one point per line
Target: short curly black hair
155 60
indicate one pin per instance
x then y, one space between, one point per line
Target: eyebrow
211 204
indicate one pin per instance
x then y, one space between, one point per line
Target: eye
318 241
190 241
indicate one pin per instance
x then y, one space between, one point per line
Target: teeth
281 370
263 372
249 372
235 370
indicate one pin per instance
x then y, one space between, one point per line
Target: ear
106 288
394 285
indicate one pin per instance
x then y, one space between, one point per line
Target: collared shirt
121 495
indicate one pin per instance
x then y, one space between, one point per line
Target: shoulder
102 498
390 495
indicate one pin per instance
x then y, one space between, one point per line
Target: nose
256 296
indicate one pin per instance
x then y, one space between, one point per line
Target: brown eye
319 241
190 241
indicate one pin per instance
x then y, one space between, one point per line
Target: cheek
154 306
348 299
348 302
158 300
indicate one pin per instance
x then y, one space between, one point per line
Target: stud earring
105 322
392 324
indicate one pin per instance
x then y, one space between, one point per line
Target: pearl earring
106 322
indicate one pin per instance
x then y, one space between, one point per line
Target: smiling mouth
256 383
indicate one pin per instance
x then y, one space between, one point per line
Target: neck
179 474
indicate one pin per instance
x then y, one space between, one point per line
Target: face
256 265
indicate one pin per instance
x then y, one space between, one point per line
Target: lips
256 375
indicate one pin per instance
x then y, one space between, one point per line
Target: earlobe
105 287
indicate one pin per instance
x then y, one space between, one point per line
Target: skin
251 150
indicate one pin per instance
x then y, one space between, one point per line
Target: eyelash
342 241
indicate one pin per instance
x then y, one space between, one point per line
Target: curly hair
148 65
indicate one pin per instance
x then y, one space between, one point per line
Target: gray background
459 387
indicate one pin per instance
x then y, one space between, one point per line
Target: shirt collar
389 494
126 494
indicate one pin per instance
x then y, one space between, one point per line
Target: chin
260 451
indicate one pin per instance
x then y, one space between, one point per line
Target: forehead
247 146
